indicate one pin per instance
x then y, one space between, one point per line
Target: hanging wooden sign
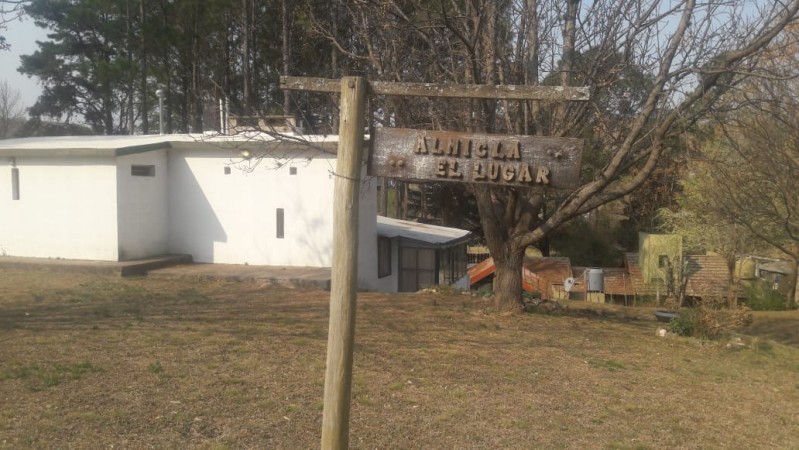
499 160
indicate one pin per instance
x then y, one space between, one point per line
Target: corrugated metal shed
708 275
421 233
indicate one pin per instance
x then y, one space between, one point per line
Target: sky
22 35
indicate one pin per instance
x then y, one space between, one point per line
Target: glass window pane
427 259
408 283
408 258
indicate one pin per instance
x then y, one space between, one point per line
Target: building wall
652 248
367 237
142 206
389 283
223 209
66 209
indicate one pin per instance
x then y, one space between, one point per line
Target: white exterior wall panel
142 206
66 209
367 235
231 218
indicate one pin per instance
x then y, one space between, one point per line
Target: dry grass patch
89 362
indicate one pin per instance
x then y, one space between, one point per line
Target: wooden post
344 282
341 336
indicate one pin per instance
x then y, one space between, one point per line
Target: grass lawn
96 362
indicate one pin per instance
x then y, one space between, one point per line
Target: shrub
683 325
761 297
708 321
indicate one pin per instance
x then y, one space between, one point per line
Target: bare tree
12 112
10 10
654 68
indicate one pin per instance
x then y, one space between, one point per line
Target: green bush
761 297
527 295
685 324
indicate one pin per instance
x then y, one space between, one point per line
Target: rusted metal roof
621 281
639 285
708 275
618 282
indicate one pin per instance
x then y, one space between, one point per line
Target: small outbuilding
413 255
250 198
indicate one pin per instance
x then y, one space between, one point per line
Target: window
14 183
417 268
663 261
279 225
383 257
227 170
292 171
142 170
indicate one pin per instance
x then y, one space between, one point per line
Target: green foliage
587 244
105 59
684 324
155 367
761 297
611 365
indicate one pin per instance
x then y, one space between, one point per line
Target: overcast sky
22 36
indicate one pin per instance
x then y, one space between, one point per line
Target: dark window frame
383 257
280 223
14 183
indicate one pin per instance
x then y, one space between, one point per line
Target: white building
244 199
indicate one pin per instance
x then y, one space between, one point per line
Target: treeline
105 60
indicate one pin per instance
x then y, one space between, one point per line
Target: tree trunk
286 34
245 57
145 122
569 31
129 56
508 282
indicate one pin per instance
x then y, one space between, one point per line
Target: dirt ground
99 362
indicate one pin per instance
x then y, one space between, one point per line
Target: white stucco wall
230 218
67 208
142 206
389 283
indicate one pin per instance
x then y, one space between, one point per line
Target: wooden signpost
417 155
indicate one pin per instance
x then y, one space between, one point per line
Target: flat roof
421 233
130 144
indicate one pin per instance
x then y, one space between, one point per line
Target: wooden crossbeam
502 91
